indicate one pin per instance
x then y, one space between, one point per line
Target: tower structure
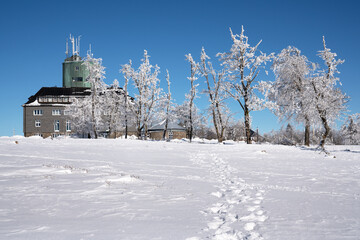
74 72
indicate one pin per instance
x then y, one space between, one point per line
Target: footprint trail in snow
237 212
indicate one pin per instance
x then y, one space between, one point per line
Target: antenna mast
73 44
67 48
89 51
78 45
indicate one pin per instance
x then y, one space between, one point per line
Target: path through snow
238 212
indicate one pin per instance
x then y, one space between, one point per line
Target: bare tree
193 91
168 103
126 70
147 84
217 95
329 100
243 64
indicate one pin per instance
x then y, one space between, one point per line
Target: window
55 135
67 112
56 125
77 68
56 112
68 126
77 79
38 112
37 123
38 135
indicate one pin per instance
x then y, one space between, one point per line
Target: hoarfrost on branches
328 99
291 90
146 82
194 71
351 129
243 64
216 90
96 78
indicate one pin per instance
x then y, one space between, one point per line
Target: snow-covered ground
130 189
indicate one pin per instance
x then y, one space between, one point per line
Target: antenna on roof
78 45
67 48
73 44
89 51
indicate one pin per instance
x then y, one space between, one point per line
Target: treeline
303 93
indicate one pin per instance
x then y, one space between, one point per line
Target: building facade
44 113
174 131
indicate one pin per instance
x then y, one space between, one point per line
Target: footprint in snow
249 226
252 208
217 194
257 201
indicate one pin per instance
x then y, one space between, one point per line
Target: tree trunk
307 131
126 126
326 133
216 126
145 131
247 125
93 115
190 122
165 129
138 128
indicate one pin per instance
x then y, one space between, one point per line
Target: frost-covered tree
194 69
235 130
216 91
96 78
328 99
243 64
113 108
127 107
79 113
351 130
181 114
167 105
284 136
290 91
146 82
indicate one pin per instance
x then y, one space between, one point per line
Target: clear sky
33 36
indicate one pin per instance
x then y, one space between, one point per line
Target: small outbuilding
174 131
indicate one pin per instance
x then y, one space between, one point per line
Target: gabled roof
59 91
171 126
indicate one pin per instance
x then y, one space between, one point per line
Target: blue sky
33 36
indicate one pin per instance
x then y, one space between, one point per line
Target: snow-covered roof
34 103
57 91
171 126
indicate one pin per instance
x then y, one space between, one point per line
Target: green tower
74 72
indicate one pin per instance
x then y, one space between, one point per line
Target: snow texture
129 189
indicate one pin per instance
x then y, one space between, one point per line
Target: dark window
77 79
56 125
